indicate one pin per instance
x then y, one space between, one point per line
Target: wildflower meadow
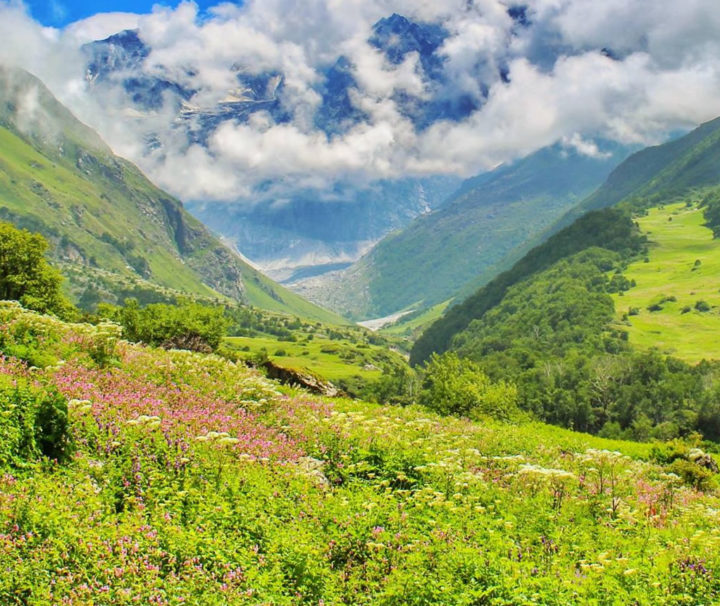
133 475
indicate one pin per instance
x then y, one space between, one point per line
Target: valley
374 303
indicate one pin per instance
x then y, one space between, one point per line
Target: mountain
280 232
660 172
114 232
685 169
317 231
481 230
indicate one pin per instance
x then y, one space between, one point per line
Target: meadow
664 309
351 358
188 479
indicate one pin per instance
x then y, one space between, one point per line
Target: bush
457 386
52 428
692 474
702 305
186 326
33 422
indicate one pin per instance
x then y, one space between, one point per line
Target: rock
703 459
303 378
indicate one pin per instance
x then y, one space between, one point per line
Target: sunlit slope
114 233
682 271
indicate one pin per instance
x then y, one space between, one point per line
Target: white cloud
101 26
560 84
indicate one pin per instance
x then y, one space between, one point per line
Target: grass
678 241
332 359
262 292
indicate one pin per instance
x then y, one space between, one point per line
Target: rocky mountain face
316 232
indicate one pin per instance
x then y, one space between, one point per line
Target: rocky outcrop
302 378
703 459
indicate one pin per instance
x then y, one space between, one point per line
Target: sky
574 71
60 13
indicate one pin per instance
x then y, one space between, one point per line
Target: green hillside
414 323
665 308
113 232
661 174
611 229
584 323
480 231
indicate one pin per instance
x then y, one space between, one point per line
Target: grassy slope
415 324
334 501
103 215
262 292
678 238
62 202
323 357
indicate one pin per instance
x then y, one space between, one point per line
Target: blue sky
58 13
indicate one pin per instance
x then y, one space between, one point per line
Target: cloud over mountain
272 95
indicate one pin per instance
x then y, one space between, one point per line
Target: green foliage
186 326
691 473
711 210
25 274
701 305
52 428
33 422
611 229
459 387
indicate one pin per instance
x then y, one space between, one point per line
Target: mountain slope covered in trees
658 174
557 324
481 230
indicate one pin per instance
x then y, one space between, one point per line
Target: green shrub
702 305
186 326
33 422
692 474
457 386
52 428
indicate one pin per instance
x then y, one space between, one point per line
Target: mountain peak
397 36
122 51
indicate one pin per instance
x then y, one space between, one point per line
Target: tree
25 274
453 385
